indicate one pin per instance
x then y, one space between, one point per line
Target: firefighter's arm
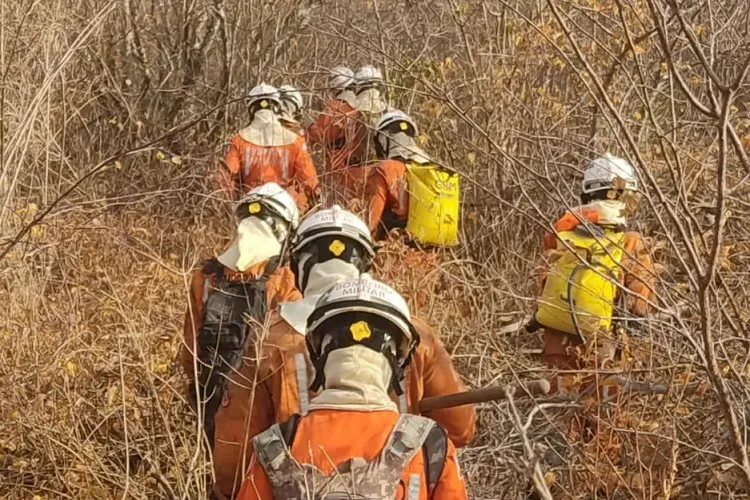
229 170
256 485
639 275
304 169
192 322
281 288
451 485
315 131
328 129
376 194
441 379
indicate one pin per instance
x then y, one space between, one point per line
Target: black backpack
234 309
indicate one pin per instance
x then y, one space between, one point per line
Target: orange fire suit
343 133
277 396
328 437
279 288
562 350
387 197
290 166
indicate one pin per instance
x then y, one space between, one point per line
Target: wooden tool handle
534 388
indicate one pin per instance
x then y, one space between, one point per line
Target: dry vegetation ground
113 113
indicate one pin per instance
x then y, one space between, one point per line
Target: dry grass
113 113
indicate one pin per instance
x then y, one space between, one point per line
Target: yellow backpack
581 288
433 204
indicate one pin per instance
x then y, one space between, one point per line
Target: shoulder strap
407 437
271 266
213 266
289 429
435 451
270 449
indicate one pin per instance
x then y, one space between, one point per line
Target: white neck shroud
321 278
357 379
255 243
610 212
267 130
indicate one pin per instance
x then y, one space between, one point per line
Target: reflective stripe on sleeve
302 386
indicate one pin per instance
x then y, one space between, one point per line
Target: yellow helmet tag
360 331
337 248
264 104
403 126
253 208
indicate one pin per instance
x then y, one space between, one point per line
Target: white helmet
406 124
270 197
368 75
601 173
370 299
264 92
291 96
327 234
342 77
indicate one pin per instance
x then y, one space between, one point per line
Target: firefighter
343 130
245 281
266 151
408 190
596 269
601 226
360 340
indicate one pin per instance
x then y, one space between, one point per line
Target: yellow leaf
160 368
118 165
177 160
422 139
550 478
37 233
71 368
160 156
472 158
637 116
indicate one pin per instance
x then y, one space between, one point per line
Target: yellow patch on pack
337 248
253 208
360 331
264 104
403 126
